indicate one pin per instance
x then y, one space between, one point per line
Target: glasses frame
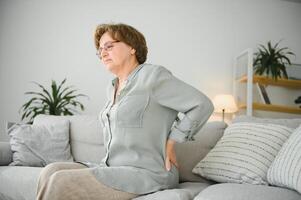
108 46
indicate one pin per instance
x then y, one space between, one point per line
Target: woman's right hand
171 158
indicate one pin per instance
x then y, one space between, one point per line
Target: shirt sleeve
173 93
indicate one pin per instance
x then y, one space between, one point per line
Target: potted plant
271 61
60 101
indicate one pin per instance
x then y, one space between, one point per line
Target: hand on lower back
171 158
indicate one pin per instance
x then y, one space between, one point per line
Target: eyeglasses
108 46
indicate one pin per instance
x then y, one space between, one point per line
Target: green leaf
44 90
271 60
62 100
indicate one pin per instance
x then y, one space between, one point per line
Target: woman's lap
74 181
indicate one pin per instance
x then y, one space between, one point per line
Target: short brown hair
126 34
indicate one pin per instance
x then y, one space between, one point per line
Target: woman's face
114 54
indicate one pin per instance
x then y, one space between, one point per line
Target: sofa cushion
20 182
286 169
87 152
39 145
5 153
292 123
244 153
232 191
185 191
86 136
191 152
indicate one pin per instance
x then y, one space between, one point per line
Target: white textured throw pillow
285 171
244 153
39 145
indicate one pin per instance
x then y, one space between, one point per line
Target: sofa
86 144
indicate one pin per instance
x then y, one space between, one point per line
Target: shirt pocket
131 110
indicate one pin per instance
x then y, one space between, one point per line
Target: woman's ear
133 51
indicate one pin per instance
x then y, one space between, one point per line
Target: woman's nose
104 53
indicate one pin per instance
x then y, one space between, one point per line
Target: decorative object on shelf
298 100
62 100
224 103
263 93
272 61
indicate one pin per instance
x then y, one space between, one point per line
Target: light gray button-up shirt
137 126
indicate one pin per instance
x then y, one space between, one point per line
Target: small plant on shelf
61 100
272 61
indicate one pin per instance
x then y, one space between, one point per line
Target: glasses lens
108 46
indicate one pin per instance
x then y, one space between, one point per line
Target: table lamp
224 103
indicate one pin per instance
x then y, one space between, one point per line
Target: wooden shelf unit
275 108
289 83
243 73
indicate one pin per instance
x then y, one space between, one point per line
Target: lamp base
223 115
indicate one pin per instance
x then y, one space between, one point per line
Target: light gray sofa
19 183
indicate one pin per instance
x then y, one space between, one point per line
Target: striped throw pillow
244 153
285 171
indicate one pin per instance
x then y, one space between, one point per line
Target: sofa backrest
191 152
86 138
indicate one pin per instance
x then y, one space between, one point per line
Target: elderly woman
140 126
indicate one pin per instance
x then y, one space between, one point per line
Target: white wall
196 39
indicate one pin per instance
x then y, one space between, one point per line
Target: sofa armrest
5 153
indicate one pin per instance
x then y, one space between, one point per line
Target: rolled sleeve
177 135
177 95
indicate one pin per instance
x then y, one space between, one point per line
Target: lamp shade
224 103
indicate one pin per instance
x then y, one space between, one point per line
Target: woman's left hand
171 158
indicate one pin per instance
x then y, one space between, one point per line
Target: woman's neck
125 71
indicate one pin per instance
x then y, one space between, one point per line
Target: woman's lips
108 60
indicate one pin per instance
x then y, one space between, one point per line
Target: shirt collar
130 76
